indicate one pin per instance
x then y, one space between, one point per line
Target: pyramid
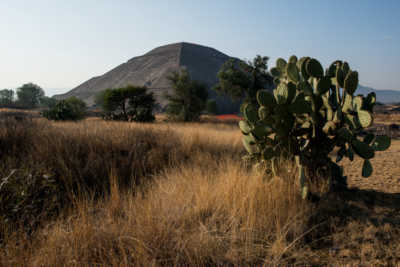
153 68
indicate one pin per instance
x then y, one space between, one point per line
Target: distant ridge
383 96
153 68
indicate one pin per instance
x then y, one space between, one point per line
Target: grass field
169 194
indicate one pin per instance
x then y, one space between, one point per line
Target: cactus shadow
352 210
365 206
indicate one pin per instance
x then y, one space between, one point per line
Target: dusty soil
386 175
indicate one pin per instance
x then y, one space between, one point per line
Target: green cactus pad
333 99
300 105
293 59
300 62
306 88
358 102
263 112
351 82
244 127
323 85
331 71
365 118
345 134
369 102
366 169
281 93
369 138
381 143
314 68
329 114
351 121
250 139
303 69
265 98
250 113
276 72
281 64
340 77
329 127
249 146
348 104
261 131
291 92
345 68
337 116
292 72
306 125
371 98
279 111
318 102
362 149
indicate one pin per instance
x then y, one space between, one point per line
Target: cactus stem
338 94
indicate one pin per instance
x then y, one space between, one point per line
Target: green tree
130 103
6 98
48 102
69 109
29 95
241 80
99 99
211 106
188 99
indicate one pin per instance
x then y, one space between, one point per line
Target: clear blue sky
60 44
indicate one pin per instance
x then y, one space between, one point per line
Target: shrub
6 98
211 106
29 95
48 102
130 103
69 109
188 99
309 114
241 80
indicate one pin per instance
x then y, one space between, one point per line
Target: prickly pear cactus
310 114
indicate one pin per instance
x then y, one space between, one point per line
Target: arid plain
193 201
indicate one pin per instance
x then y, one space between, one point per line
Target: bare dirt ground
386 175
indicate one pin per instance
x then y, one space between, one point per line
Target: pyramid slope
152 70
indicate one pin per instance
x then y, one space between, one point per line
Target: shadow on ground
356 227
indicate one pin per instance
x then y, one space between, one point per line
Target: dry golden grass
215 215
202 207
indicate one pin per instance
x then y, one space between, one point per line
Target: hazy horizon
59 45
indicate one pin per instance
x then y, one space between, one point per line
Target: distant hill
383 96
152 69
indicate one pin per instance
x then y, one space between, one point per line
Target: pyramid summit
153 68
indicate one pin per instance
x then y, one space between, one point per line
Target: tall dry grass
61 161
178 195
216 214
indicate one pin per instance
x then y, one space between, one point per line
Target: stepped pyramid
152 69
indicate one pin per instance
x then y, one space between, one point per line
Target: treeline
28 96
188 99
31 96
